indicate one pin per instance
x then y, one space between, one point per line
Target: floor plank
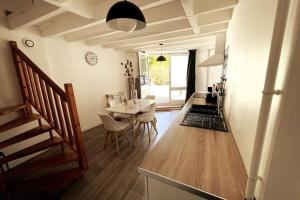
112 177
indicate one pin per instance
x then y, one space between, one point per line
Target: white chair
145 119
120 116
151 97
114 127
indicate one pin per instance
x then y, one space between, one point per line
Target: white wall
206 76
90 83
281 177
249 40
9 88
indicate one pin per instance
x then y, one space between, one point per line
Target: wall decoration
128 68
28 43
133 82
91 58
224 69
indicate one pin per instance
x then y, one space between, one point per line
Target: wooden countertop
201 159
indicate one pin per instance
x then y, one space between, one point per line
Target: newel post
21 76
83 163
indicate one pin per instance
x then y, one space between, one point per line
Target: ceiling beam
39 12
151 30
170 43
170 40
102 8
99 15
188 6
16 5
90 32
147 39
215 17
175 47
208 6
54 25
213 28
79 7
172 12
146 5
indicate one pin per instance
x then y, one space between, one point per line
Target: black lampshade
125 16
161 58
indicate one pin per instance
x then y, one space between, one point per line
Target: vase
125 100
133 94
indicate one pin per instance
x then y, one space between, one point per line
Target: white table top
131 108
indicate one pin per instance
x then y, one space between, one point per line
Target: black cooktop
203 116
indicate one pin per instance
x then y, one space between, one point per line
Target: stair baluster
56 106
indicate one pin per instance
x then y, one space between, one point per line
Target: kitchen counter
203 162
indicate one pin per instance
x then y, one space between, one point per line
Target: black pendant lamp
125 16
161 58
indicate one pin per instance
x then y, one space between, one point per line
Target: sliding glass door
144 74
166 80
178 71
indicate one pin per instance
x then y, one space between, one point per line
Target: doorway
166 80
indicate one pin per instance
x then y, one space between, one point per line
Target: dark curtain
190 77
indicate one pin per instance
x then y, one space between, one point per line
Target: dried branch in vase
128 68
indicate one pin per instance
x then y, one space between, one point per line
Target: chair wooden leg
144 128
148 132
154 126
116 135
131 124
138 128
106 137
127 136
112 136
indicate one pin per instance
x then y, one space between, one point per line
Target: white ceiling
178 24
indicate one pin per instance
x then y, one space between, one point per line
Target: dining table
132 108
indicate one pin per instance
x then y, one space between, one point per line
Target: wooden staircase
56 114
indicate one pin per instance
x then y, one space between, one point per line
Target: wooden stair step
4 111
19 121
43 163
33 149
26 135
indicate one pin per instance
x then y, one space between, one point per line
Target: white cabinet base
156 190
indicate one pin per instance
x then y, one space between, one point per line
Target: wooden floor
111 176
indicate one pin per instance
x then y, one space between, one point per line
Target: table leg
133 132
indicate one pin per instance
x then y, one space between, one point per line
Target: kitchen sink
203 109
205 116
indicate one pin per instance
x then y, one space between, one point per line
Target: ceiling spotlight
125 16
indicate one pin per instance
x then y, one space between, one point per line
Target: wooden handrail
56 106
35 68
